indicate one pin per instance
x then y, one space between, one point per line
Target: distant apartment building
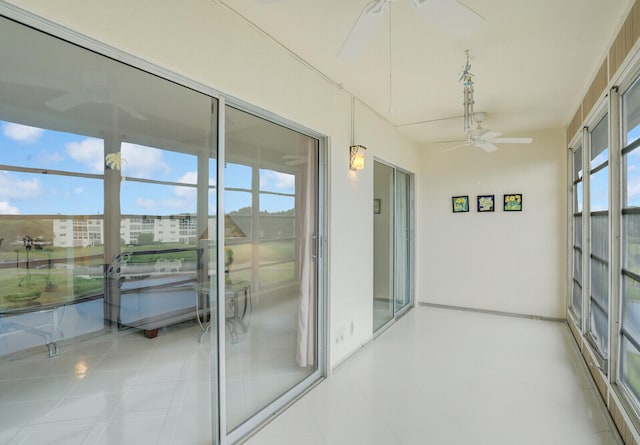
86 231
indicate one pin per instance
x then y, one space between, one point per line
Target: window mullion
615 232
586 228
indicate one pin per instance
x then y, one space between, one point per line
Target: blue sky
26 193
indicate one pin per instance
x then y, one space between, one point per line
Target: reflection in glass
631 113
271 306
599 195
577 266
383 242
578 197
599 307
576 287
159 226
599 266
402 242
631 246
51 274
600 143
632 164
91 265
600 236
577 163
630 367
576 300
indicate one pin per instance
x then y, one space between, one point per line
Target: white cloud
282 181
22 133
142 162
187 193
633 192
8 209
285 181
89 152
78 190
189 178
12 188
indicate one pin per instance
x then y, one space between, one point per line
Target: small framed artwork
376 206
513 202
460 204
486 203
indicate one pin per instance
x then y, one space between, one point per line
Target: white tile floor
120 387
441 376
436 376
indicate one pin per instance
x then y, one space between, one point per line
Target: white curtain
306 227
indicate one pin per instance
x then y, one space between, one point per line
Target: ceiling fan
452 15
97 87
486 139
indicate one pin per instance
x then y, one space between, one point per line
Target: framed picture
376 206
460 204
513 202
486 203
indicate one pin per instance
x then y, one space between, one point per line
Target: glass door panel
271 310
383 244
403 240
104 215
392 249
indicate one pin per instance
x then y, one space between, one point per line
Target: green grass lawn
40 285
22 289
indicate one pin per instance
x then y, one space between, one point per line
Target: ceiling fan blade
130 111
459 20
512 140
490 135
458 146
487 146
66 101
363 28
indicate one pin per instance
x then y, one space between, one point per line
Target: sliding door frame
411 241
219 432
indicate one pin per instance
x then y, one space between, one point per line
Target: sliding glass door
271 296
383 242
403 240
110 284
392 233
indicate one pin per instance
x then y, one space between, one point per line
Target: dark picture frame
486 203
460 204
512 202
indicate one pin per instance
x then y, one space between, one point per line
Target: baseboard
491 312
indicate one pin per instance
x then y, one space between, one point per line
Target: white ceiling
533 60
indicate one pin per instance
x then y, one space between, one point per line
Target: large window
109 253
599 248
576 282
630 330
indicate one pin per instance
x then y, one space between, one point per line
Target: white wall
504 261
206 43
